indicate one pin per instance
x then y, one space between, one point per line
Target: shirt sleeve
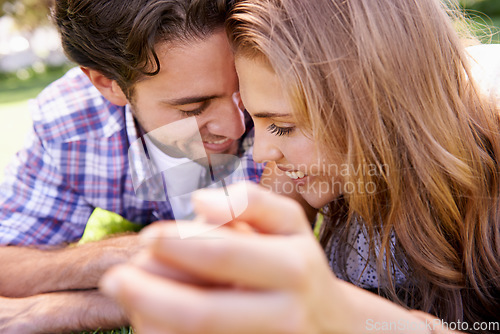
252 170
37 206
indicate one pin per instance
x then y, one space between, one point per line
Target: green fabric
104 223
317 227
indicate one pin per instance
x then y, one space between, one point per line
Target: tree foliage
28 14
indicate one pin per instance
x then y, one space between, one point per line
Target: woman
366 105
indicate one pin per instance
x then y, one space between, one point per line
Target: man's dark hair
118 37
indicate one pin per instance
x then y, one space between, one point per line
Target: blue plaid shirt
76 159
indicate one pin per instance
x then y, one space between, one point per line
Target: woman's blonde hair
386 83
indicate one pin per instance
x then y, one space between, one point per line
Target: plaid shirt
76 159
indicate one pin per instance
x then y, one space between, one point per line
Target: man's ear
109 88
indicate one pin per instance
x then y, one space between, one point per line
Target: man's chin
220 157
214 154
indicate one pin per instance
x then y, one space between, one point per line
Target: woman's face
279 138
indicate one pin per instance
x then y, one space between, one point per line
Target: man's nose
227 121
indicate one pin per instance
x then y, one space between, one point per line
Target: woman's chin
317 200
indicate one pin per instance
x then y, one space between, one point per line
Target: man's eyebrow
190 99
266 114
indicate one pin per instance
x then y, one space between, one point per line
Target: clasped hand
261 273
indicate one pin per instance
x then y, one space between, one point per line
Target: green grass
14 126
13 89
15 119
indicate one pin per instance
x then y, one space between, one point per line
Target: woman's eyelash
279 131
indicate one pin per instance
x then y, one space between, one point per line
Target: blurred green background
486 15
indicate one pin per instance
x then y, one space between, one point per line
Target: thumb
266 212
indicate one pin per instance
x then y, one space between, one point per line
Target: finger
145 260
179 308
146 326
264 211
228 257
135 290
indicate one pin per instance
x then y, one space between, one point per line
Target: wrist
372 313
71 311
84 265
111 252
341 305
20 315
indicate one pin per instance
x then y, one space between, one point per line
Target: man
144 64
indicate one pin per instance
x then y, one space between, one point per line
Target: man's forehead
192 71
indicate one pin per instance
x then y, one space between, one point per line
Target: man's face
197 79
